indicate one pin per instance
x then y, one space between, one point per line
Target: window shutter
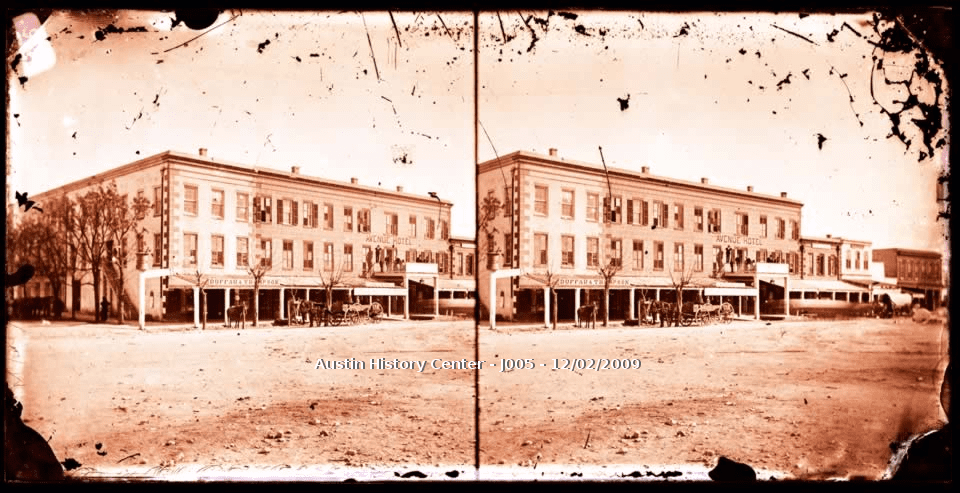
644 213
295 220
256 209
280 211
315 215
665 215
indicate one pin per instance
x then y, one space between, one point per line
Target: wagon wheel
727 317
686 320
353 317
336 318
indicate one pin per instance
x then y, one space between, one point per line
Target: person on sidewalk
104 309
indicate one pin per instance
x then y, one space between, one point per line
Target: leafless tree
199 281
258 268
328 282
680 280
490 208
608 271
89 231
123 218
550 280
42 240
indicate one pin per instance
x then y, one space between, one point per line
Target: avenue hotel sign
738 240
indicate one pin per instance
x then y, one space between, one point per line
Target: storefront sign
592 282
390 240
738 240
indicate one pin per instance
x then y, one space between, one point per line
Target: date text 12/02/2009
570 364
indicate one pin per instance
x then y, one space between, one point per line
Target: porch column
389 304
756 300
739 305
196 308
493 302
576 306
633 308
656 294
436 296
546 307
141 298
226 306
256 307
282 311
833 295
786 296
406 298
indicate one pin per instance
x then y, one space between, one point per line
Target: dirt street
122 402
793 399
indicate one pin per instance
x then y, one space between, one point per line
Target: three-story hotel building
560 221
220 219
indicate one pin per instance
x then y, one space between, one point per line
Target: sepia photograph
252 243
494 245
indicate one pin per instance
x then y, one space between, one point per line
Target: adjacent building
919 272
558 222
221 219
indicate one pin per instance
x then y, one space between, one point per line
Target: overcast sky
732 97
698 107
241 92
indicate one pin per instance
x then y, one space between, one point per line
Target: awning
458 284
730 291
394 291
829 285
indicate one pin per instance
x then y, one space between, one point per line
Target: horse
238 315
587 314
667 312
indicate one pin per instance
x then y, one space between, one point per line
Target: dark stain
854 31
314 55
23 81
74 136
581 30
413 474
15 62
832 34
102 33
730 470
684 30
568 15
16 116
806 73
786 80
26 203
452 474
624 103
743 51
758 53
70 464
820 140
263 45
802 15
297 59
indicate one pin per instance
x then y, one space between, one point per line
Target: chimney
553 151
829 236
645 170
783 195
295 170
749 188
354 181
705 181
400 188
203 151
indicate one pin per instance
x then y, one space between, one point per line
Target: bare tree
42 240
550 280
123 218
199 281
333 278
680 280
258 268
490 208
89 231
607 271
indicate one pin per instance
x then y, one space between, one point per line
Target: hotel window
794 230
743 224
328 256
287 255
508 249
540 200
308 255
157 200
781 229
363 221
637 254
613 213
857 264
566 259
266 249
644 213
431 229
410 256
287 212
261 210
348 219
593 207
698 258
678 216
793 260
444 229
242 252
348 258
216 251
189 249
713 221
630 213
507 201
216 204
678 257
593 252
367 259
243 207
459 264
657 219
762 255
717 258
866 263
470 263
698 219
190 200
616 252
658 255
157 250
820 268
763 227
566 204
391 223
540 249
810 264
413 226
328 216
832 266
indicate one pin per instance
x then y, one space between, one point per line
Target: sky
779 102
334 93
699 107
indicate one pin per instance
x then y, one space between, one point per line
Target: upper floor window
713 221
307 255
157 200
743 224
189 249
328 256
348 219
613 209
216 251
328 217
616 252
287 254
658 255
190 200
540 200
678 216
593 252
242 252
216 204
794 230
507 201
781 228
678 257
413 226
540 249
763 226
698 219
566 204
262 209
431 231
698 258
392 224
243 207
566 243
637 254
593 207
266 249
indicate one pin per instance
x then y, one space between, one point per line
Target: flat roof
909 251
624 173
